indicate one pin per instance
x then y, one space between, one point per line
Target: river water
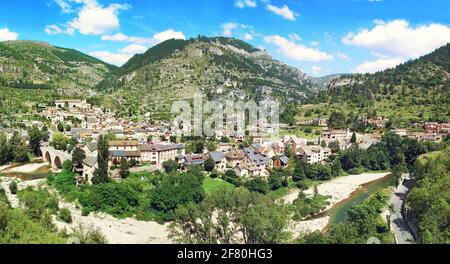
338 212
41 173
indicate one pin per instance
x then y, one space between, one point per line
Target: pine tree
101 173
124 168
353 140
299 173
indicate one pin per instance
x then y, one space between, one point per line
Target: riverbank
339 189
116 231
28 168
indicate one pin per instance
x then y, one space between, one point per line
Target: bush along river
33 170
338 212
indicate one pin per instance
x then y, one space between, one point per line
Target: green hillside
38 65
218 67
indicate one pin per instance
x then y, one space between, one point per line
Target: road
398 225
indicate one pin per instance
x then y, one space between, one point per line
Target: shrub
117 199
13 187
67 165
214 174
65 215
89 235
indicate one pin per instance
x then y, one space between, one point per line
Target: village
147 146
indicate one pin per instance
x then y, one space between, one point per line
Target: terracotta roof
235 154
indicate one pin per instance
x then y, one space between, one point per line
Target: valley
90 150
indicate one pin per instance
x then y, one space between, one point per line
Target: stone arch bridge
55 157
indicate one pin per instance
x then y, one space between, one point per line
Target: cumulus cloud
315 43
399 39
6 34
284 11
378 65
248 36
155 39
53 30
133 49
245 3
92 18
111 58
294 37
115 37
228 29
342 55
139 45
316 69
66 8
296 51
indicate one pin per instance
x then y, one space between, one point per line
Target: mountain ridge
40 65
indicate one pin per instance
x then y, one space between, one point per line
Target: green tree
170 166
5 154
237 213
78 156
258 185
209 165
336 168
36 137
44 133
101 173
60 127
13 187
299 172
67 166
353 139
59 141
19 148
124 169
275 180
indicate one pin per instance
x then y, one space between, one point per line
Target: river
338 212
41 172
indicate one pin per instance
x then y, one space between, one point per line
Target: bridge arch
57 162
55 157
48 158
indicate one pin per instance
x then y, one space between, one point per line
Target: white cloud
95 19
296 51
168 34
134 49
248 36
112 58
116 37
66 8
316 69
228 29
378 65
155 39
294 37
282 11
245 3
342 55
53 30
315 43
140 45
92 18
398 39
6 35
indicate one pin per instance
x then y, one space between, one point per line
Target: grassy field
212 185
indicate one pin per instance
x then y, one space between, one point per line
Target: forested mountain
415 91
219 67
428 75
38 65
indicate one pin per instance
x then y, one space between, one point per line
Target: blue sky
319 37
